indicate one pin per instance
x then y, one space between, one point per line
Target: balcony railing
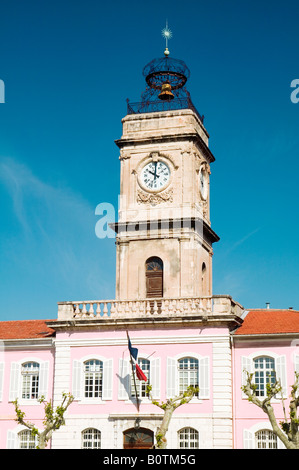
162 307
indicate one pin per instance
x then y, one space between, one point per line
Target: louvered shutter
248 439
15 378
107 379
204 377
155 377
296 369
1 380
43 379
124 389
171 377
77 379
11 440
281 371
246 367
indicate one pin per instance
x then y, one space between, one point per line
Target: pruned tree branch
169 406
53 419
288 430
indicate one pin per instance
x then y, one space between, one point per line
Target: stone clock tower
164 236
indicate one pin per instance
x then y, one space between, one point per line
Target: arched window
91 439
26 440
188 373
188 438
30 380
154 277
93 378
265 439
264 373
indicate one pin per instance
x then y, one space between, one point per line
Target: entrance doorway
140 438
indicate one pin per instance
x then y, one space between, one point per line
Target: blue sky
68 67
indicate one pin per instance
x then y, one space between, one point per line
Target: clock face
155 175
203 184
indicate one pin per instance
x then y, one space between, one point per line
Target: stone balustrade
114 309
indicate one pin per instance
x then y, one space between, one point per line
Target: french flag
134 354
140 374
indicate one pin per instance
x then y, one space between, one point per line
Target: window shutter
204 377
280 364
155 377
124 389
1 379
248 439
11 440
246 367
171 377
43 379
107 379
15 376
77 380
296 367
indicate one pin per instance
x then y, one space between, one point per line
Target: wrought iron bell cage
166 78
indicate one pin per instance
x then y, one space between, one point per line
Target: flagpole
137 398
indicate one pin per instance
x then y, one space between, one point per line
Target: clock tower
164 235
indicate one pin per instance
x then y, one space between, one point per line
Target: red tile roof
25 329
269 321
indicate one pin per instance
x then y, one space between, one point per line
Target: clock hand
154 174
155 170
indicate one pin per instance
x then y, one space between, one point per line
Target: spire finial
167 34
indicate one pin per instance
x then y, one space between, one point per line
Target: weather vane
167 34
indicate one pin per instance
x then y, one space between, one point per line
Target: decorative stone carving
154 198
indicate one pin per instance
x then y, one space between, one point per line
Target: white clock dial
155 175
203 183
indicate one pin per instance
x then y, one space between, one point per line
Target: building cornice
200 321
39 343
198 224
132 141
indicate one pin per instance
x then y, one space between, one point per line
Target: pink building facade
184 334
92 361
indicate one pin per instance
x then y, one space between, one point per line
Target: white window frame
268 439
30 380
78 380
93 376
204 376
247 362
179 440
125 383
92 440
16 380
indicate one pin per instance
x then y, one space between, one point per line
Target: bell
166 93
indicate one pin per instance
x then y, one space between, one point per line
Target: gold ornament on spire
167 34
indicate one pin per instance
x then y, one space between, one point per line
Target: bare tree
169 407
53 419
288 429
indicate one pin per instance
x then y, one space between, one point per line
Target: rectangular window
264 373
188 373
93 385
30 380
